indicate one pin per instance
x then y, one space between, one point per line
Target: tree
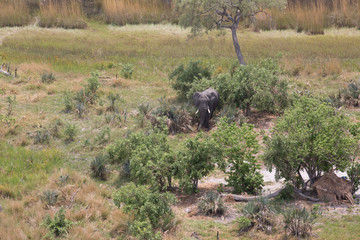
310 137
222 14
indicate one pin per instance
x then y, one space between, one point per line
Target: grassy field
321 63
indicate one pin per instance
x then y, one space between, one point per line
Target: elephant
206 102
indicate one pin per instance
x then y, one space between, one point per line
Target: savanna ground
321 64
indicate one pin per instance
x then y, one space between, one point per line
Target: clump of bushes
47 77
151 210
50 197
98 168
211 204
127 70
349 96
70 132
298 221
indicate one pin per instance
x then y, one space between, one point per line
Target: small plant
211 204
68 101
11 102
50 197
42 136
127 70
70 132
63 180
98 168
55 128
113 98
92 85
47 77
261 212
104 136
298 222
244 224
59 226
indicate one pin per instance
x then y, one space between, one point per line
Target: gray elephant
206 102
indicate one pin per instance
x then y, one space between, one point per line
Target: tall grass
61 13
13 13
123 12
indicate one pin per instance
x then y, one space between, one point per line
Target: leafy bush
348 96
151 210
244 224
98 168
127 70
92 85
68 101
298 221
310 136
70 132
50 197
47 77
354 175
182 78
147 158
211 203
262 213
197 159
59 226
239 147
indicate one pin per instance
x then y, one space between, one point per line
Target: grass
23 170
13 13
341 227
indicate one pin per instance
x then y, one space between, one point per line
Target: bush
239 147
98 168
127 70
197 159
151 211
113 98
92 85
59 226
104 136
244 224
70 132
47 77
354 175
312 137
298 222
68 101
182 78
50 197
42 136
262 213
211 203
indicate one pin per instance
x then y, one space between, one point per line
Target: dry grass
123 12
13 13
66 14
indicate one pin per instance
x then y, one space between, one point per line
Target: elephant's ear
196 98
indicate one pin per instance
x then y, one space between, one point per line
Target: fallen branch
297 191
239 198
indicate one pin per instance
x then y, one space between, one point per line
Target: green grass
342 227
22 170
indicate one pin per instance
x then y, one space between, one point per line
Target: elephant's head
205 103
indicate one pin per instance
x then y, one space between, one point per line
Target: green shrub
80 102
182 78
42 136
50 197
98 168
211 203
244 224
92 85
151 211
287 193
127 70
239 147
47 77
70 132
262 213
59 226
354 175
68 101
113 99
104 136
310 136
298 222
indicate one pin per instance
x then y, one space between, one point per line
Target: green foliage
287 193
262 213
70 132
80 102
151 210
310 136
92 85
98 168
183 77
42 136
244 223
354 175
348 96
113 99
68 101
47 77
127 70
50 197
211 203
11 102
197 159
147 158
59 226
104 136
239 147
298 222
